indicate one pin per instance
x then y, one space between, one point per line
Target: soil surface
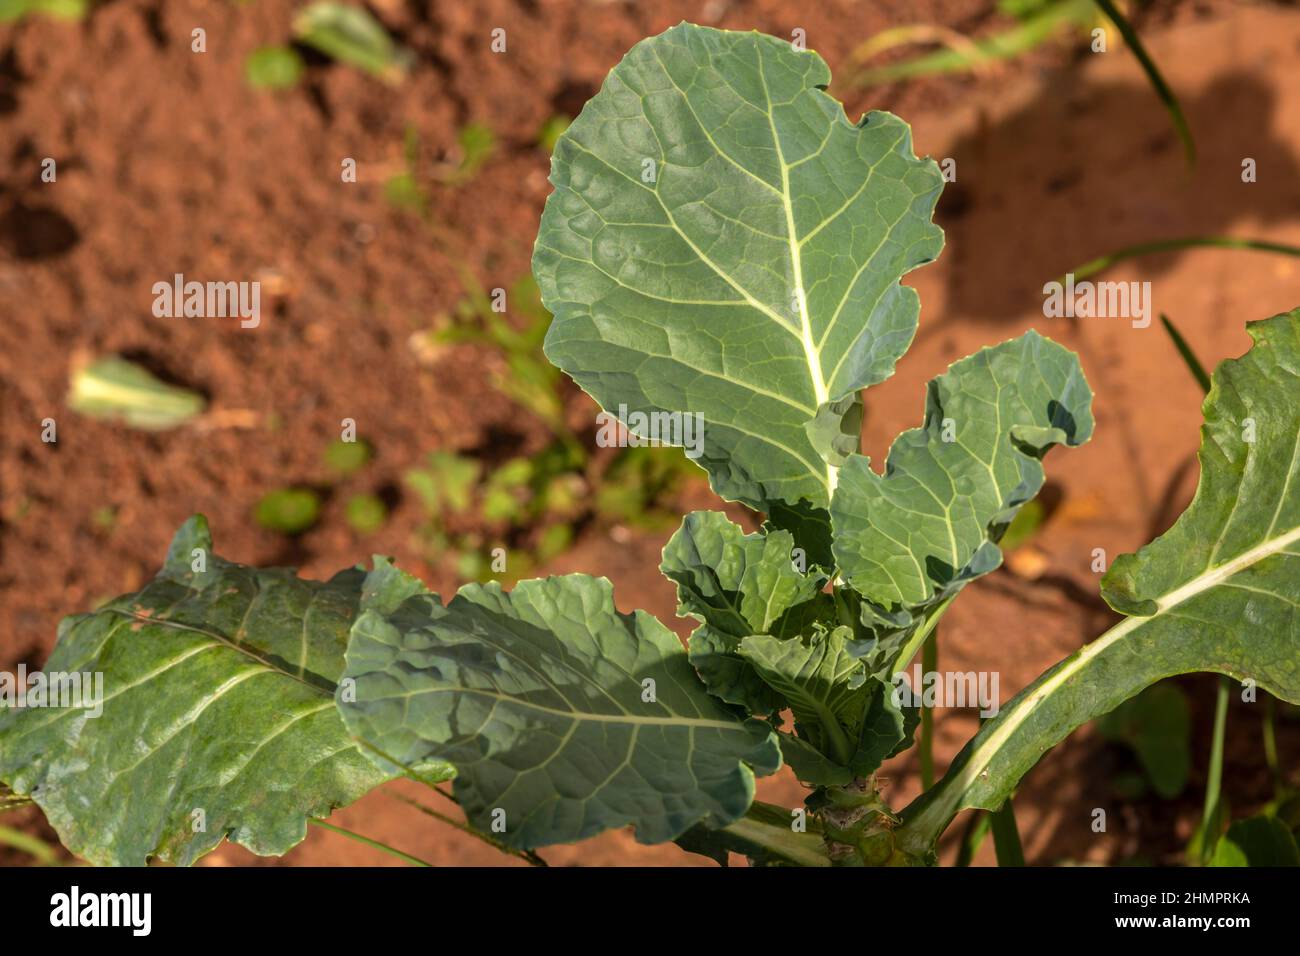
168 162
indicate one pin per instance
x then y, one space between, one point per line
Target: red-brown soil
168 162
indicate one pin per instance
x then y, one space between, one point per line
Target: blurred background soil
169 162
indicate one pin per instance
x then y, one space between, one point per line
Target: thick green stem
925 748
765 829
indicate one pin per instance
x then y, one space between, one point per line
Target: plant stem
977 828
527 855
374 844
767 827
925 748
1214 778
1006 836
1270 746
917 639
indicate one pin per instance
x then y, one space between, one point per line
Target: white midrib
811 355
954 790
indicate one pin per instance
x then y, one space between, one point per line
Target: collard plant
721 242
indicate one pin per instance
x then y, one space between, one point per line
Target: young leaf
562 716
1217 592
910 539
217 714
810 765
287 510
723 241
351 35
820 679
273 68
735 584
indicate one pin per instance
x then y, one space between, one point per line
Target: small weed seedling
721 242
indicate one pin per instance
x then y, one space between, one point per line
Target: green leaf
118 390
1257 841
446 486
820 680
735 584
217 697
556 710
366 514
273 68
1217 592
287 510
346 457
810 766
351 35
14 10
910 539
476 143
1157 725
723 241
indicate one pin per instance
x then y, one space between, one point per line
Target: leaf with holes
910 539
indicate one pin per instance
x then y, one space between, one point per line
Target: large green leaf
723 241
562 716
736 584
218 697
1218 592
909 539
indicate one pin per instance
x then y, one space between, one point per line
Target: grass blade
1149 67
1189 357
961 53
373 844
1101 263
33 846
